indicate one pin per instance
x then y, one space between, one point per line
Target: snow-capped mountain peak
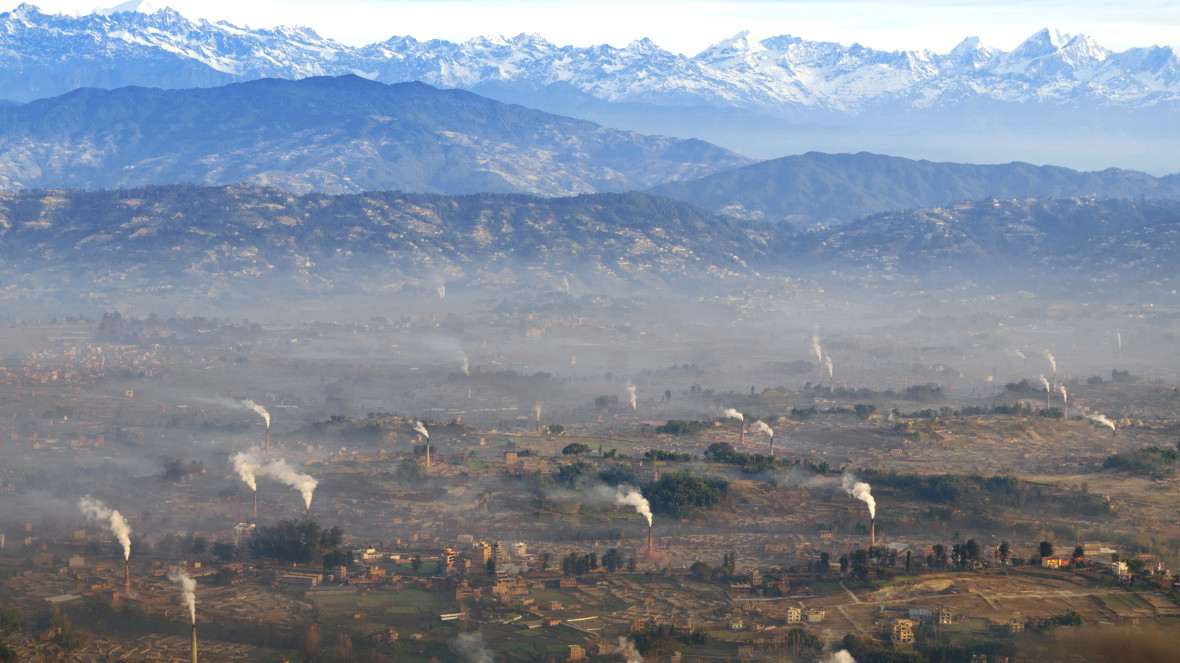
137 6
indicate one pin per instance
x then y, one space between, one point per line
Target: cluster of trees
952 489
682 427
669 456
723 452
705 571
9 622
1150 461
664 638
574 564
303 542
918 392
682 493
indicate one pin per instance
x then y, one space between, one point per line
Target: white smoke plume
259 410
1119 336
420 428
761 427
861 491
841 656
188 590
537 412
1045 383
471 648
304 483
625 496
631 396
465 366
565 284
442 291
114 521
1019 353
815 350
247 464
1101 418
828 365
731 413
629 651
1064 395
1052 360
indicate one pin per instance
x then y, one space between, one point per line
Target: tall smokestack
771 445
873 533
127 576
256 506
268 439
194 643
428 454
741 434
650 551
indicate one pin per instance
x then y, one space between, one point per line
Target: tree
491 566
972 550
546 558
556 429
632 564
1045 549
575 449
1004 551
1079 554
416 563
612 560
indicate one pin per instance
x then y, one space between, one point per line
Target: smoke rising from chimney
631 396
1119 336
472 648
465 366
537 411
565 284
731 413
1046 384
816 351
259 410
304 483
861 491
1064 395
1052 360
1101 419
629 651
1019 354
188 590
761 427
247 464
626 496
841 656
420 428
114 521
828 365
442 291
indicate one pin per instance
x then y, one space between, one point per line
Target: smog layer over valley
511 351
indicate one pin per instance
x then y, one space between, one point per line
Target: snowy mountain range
777 75
791 84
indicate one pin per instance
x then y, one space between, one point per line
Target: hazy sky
687 27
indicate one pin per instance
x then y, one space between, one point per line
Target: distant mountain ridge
332 135
1055 98
837 188
773 75
221 241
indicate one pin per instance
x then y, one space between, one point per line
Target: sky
690 26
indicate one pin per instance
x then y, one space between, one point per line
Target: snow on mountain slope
42 55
